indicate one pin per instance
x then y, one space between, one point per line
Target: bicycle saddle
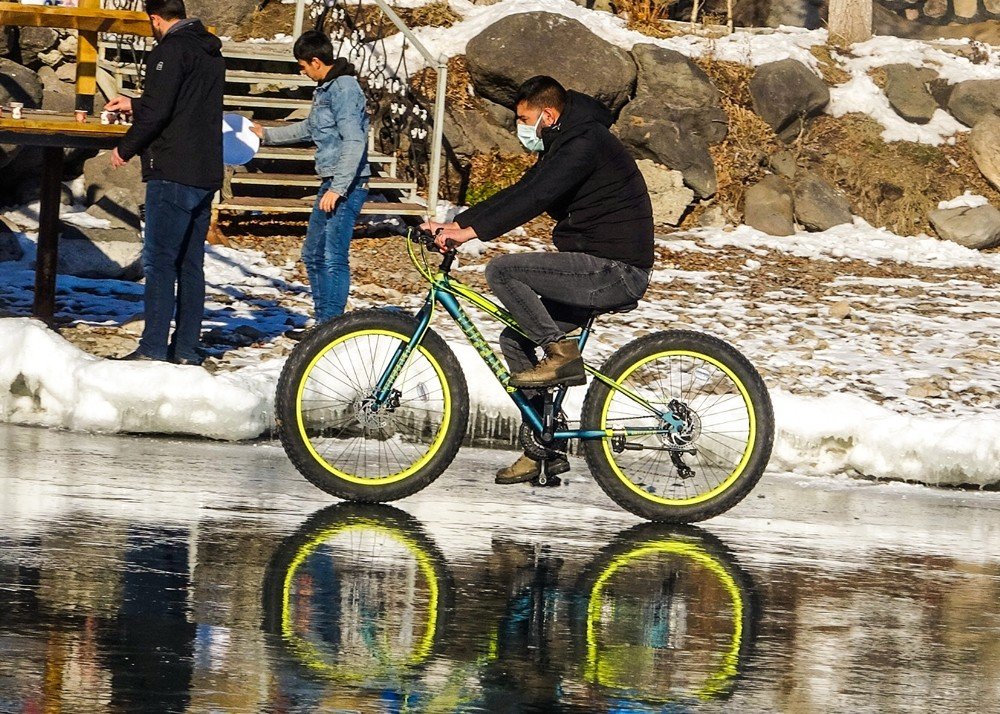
625 307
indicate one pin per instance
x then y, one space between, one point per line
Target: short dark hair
313 44
541 92
167 9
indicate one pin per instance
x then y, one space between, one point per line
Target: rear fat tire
605 472
294 372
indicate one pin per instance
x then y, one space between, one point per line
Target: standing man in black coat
587 181
177 130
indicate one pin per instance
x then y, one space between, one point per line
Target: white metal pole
437 142
300 16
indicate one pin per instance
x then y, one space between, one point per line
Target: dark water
165 576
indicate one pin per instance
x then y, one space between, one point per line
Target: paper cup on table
239 143
15 110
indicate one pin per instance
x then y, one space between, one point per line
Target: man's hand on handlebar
448 235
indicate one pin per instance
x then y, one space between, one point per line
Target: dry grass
879 76
273 18
278 17
732 79
494 172
424 83
647 16
644 11
741 158
828 67
893 184
436 14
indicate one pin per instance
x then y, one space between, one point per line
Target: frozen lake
161 575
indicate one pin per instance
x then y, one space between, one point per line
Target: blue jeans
173 260
326 248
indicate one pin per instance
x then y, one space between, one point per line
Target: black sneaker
193 362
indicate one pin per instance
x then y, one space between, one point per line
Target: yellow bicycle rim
733 476
390 478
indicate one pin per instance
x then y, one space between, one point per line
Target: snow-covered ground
889 368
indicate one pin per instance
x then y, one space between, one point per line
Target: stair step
286 153
266 51
237 100
268 179
233 76
304 205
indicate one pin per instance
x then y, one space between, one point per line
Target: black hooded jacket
587 181
177 122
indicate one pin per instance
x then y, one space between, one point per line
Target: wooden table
53 132
89 20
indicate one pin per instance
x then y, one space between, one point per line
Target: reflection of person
587 181
338 125
176 128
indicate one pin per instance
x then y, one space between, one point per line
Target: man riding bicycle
586 180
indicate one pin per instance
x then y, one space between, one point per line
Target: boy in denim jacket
338 125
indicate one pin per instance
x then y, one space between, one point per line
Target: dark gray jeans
551 294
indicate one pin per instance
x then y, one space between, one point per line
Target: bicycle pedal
544 481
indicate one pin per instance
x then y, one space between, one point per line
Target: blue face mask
529 136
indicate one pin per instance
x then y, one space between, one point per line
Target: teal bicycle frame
446 291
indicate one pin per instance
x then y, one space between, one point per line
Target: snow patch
46 381
966 200
845 433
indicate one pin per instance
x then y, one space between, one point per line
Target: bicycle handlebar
426 239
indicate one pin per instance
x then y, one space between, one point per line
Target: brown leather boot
524 469
562 365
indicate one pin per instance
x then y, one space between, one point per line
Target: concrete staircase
279 180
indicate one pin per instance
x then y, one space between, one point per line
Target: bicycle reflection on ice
363 610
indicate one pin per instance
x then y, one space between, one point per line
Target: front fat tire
331 479
606 471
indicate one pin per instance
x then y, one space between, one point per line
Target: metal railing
403 120
322 8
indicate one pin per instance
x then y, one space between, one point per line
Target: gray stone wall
941 12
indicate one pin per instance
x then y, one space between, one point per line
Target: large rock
974 100
908 93
85 253
17 84
786 93
984 141
662 141
120 207
470 131
36 41
10 248
795 13
818 205
677 89
976 228
521 46
667 191
57 96
768 207
225 17
7 40
99 177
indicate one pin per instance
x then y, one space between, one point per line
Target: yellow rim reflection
720 682
308 652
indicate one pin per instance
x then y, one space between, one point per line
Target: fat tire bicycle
373 406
